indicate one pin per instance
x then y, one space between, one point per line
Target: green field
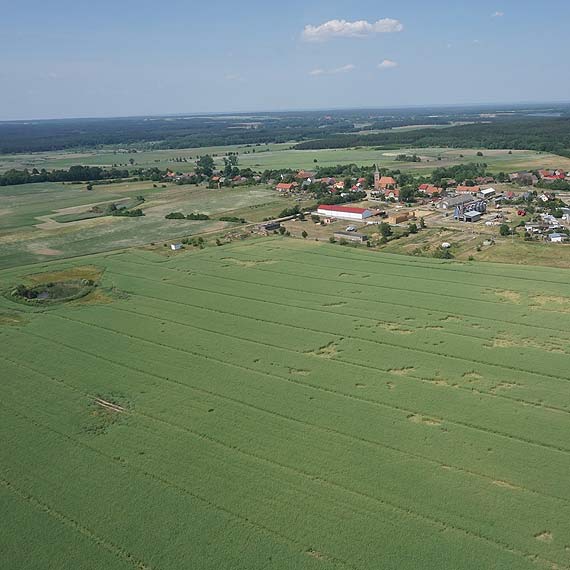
35 219
277 156
287 404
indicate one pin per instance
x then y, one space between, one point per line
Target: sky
78 58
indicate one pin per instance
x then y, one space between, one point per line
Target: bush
175 216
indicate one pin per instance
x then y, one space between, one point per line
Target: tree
385 230
304 234
407 194
89 186
413 228
205 165
422 223
505 230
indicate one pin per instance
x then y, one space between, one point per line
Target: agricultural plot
43 221
287 404
276 156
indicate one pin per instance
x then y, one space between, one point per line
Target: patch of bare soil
417 419
250 263
551 303
10 319
506 485
329 350
393 327
401 371
44 250
91 272
544 536
509 296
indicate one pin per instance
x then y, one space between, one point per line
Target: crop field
275 156
286 404
35 226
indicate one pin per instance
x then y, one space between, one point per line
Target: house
387 182
462 189
286 186
344 212
429 189
487 193
350 236
557 238
393 193
175 246
361 182
523 177
531 228
305 175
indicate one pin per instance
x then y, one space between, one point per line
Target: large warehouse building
344 212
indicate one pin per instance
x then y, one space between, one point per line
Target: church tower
376 178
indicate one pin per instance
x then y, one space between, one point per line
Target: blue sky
86 59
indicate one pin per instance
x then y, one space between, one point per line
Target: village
523 201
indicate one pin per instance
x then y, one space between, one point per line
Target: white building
344 212
557 238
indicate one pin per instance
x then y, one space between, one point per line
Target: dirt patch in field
509 296
250 263
503 386
510 341
393 327
401 371
506 485
339 304
423 420
44 250
91 272
329 350
544 536
10 319
472 376
298 372
551 303
358 385
315 554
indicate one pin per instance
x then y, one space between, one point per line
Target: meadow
282 403
34 218
277 156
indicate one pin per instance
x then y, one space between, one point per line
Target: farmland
282 403
276 156
32 217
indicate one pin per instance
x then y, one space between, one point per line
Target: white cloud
343 69
387 64
497 14
234 77
342 28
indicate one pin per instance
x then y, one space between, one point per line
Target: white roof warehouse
344 212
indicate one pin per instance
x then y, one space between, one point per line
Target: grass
45 221
257 405
275 156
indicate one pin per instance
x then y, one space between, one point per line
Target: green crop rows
284 404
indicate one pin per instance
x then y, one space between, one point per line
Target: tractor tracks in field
357 338
440 525
69 522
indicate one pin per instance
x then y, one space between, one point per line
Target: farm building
286 187
270 226
400 217
175 246
472 216
453 202
557 238
344 212
350 236
487 193
462 189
